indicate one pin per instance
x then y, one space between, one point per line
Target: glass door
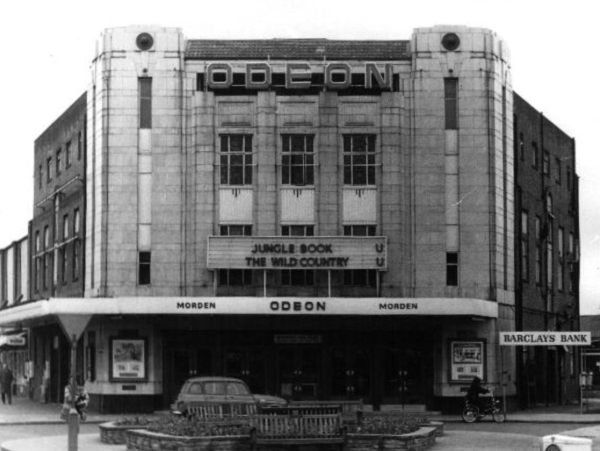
299 372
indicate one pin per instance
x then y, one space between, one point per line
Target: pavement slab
87 442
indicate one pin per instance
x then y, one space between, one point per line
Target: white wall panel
298 205
360 205
235 205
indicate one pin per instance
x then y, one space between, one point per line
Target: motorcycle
490 406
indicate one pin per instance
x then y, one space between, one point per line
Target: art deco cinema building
324 219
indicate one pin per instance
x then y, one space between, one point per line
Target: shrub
134 421
386 425
179 426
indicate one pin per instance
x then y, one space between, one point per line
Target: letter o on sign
219 76
337 76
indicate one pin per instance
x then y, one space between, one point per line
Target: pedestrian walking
6 380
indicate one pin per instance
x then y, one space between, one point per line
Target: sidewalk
24 411
552 414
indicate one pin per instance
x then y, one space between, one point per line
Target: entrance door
248 365
350 373
182 363
408 376
299 372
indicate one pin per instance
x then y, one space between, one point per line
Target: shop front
135 353
379 360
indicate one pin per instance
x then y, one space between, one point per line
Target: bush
134 421
190 427
386 425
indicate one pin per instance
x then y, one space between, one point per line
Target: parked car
227 391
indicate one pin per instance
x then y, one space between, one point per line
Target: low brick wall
113 434
141 440
420 440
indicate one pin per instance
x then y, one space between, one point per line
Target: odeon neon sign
298 76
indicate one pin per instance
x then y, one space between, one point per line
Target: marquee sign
536 338
324 253
299 75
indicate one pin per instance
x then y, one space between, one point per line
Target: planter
421 439
142 440
115 434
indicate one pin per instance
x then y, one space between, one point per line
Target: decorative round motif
450 41
144 41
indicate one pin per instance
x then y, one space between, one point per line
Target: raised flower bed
114 432
384 432
176 434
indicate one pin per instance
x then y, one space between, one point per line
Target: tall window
360 277
48 169
452 269
65 227
297 164
38 244
76 258
534 155
79 145
68 154
40 176
538 250
451 103
549 203
573 258
236 159
58 162
46 271
560 244
524 245
550 255
38 274
46 237
558 171
235 277
63 264
359 159
297 277
144 264
145 93
76 222
521 147
546 163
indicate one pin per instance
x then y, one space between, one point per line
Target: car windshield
195 388
214 388
237 388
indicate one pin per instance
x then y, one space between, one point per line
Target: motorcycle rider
474 391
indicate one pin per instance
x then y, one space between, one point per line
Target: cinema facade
323 219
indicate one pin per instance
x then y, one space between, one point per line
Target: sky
46 48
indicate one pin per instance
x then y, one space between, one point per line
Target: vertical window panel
451 103
145 97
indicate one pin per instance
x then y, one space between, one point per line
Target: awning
22 314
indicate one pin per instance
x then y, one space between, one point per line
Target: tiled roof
305 49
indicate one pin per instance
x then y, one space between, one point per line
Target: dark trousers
6 395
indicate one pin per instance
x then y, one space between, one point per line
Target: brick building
547 237
324 219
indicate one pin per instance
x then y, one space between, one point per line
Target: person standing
6 380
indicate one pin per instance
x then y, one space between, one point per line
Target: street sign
14 340
537 338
